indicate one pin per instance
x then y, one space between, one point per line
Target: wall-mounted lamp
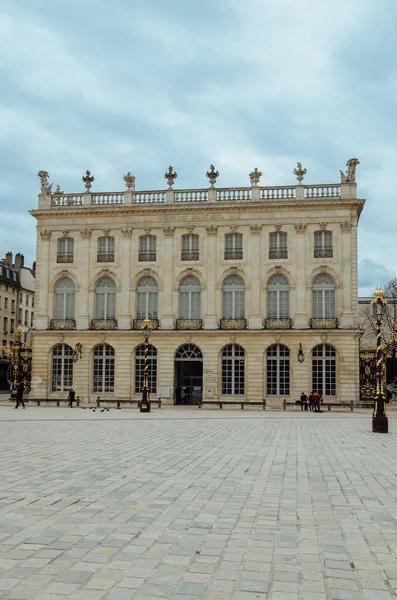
301 356
77 352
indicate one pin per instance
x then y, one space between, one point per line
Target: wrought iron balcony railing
62 324
323 252
105 257
103 323
323 323
233 323
146 256
140 323
65 258
282 323
185 255
278 253
233 254
189 324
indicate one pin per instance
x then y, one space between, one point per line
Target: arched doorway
188 374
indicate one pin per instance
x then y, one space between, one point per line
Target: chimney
19 260
9 259
34 266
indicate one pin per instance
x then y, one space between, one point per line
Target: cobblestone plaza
188 504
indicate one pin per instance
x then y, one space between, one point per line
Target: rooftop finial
88 179
300 172
255 176
350 175
129 181
170 176
212 175
45 187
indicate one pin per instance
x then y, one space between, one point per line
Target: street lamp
145 402
301 356
380 423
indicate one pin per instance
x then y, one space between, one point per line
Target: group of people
312 402
19 396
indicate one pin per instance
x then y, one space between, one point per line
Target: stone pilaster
254 311
210 319
301 317
42 280
167 318
123 309
82 305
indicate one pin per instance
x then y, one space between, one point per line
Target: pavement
187 504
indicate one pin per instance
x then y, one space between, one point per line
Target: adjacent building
251 291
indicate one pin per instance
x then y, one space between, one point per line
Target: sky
137 85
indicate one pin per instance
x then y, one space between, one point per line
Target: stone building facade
252 291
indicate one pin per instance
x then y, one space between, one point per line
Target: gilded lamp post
145 402
380 422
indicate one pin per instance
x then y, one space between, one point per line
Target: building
252 291
17 287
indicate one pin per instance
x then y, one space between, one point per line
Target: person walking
19 396
304 400
316 402
71 397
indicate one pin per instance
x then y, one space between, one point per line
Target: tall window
146 294
139 368
65 250
233 370
103 369
233 246
277 370
105 299
190 247
189 298
62 368
64 299
147 248
324 370
277 297
323 297
323 244
233 291
105 250
278 244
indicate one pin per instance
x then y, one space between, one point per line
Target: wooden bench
365 404
118 403
328 404
56 400
220 403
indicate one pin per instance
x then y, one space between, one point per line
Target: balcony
323 253
233 254
147 256
105 257
233 323
185 255
323 323
103 323
65 258
278 253
62 324
189 324
140 323
282 323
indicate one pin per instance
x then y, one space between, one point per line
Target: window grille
64 299
323 244
105 299
233 246
324 370
190 247
189 298
147 248
233 294
140 365
147 298
103 372
278 370
278 244
62 368
105 251
233 370
323 294
65 250
277 297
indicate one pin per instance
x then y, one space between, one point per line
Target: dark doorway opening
188 382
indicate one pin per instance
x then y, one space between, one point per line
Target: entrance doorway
188 375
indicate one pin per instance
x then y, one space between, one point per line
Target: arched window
277 297
189 298
65 250
105 250
146 298
64 299
233 291
277 370
233 370
188 352
147 248
62 368
190 247
323 297
324 370
139 368
233 246
103 372
105 299
323 244
278 244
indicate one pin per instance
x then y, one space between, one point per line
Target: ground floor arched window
277 370
324 370
62 368
103 373
233 370
140 365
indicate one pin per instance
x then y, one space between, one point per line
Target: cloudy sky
141 84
